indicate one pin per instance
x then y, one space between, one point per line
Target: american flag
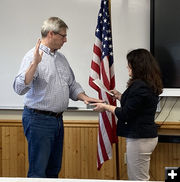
102 68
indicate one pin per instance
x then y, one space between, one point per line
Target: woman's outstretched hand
99 107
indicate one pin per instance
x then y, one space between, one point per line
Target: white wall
20 28
131 30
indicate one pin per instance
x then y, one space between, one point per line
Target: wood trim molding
67 123
81 123
9 122
169 128
170 125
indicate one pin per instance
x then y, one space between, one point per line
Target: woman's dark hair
145 67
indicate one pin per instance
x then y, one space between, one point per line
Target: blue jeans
45 143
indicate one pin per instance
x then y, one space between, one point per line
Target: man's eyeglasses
61 34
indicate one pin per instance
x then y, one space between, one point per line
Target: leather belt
48 113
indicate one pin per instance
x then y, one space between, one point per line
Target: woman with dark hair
137 112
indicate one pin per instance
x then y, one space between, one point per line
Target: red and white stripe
107 124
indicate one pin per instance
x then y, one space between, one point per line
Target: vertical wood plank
78 151
21 155
65 155
5 152
122 164
13 151
84 153
0 151
75 142
92 154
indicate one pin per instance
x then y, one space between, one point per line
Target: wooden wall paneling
62 172
75 152
115 161
5 152
177 154
66 154
0 151
110 169
13 151
92 154
80 144
21 155
80 152
85 161
164 155
69 153
161 159
122 156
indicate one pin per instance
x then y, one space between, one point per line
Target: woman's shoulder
140 87
139 83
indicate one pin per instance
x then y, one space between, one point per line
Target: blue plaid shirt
52 85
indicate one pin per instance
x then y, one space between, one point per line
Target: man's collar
47 50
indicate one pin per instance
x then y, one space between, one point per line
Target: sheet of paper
100 84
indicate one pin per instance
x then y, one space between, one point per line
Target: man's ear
50 34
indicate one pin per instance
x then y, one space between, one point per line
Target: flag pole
116 144
117 161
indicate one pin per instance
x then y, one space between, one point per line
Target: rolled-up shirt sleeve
75 90
19 85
